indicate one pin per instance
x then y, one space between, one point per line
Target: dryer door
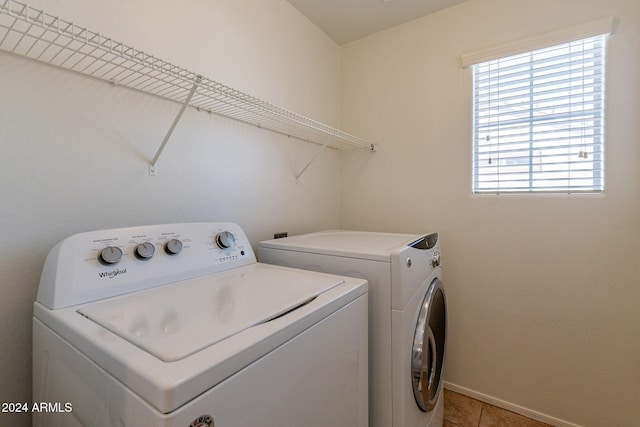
427 359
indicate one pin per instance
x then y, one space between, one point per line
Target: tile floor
464 411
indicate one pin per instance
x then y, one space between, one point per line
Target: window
539 120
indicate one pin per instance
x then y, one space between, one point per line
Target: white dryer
407 313
178 326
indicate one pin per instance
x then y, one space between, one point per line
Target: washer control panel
95 265
145 247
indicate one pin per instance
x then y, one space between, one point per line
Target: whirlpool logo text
113 273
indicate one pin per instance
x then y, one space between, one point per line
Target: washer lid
177 320
354 244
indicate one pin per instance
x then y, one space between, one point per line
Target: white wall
543 291
74 152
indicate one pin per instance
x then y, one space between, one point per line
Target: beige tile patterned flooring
464 411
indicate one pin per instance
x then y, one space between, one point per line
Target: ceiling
348 20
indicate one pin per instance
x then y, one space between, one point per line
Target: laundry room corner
75 151
541 289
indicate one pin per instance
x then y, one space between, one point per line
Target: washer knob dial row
110 255
144 251
225 240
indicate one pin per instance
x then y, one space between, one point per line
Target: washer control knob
225 240
110 255
173 247
145 250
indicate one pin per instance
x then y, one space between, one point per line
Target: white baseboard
509 406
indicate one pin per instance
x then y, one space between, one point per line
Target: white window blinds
538 120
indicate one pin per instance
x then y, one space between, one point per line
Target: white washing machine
407 313
178 326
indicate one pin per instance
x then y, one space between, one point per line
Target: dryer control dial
225 240
110 255
435 260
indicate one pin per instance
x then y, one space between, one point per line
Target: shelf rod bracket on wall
373 148
304 169
196 83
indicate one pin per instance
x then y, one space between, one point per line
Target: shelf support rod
372 147
304 169
152 166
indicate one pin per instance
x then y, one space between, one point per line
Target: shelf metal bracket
304 169
152 165
373 148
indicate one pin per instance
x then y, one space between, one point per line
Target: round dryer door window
427 357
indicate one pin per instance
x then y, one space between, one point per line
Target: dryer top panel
354 244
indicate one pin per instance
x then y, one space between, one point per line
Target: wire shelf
35 34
